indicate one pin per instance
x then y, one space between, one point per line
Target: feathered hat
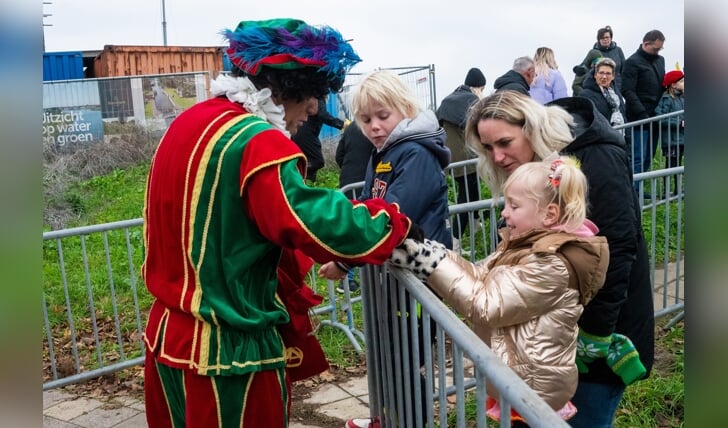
286 43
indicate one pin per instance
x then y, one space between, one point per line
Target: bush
130 146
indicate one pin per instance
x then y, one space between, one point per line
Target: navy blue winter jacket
408 170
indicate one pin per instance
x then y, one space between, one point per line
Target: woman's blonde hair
558 180
386 88
547 128
544 61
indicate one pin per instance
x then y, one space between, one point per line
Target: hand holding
415 232
624 360
419 257
331 271
590 347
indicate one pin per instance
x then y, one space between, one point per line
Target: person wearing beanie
673 127
581 70
231 230
452 115
475 78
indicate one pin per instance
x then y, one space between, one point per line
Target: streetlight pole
164 24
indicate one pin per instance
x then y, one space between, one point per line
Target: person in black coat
307 138
642 88
599 87
352 155
622 311
518 78
452 115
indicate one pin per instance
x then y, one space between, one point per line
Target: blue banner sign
64 128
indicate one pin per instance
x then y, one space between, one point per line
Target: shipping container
114 61
62 66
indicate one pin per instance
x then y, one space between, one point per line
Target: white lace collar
258 102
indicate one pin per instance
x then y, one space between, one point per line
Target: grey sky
453 35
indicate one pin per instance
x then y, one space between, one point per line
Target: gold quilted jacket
524 301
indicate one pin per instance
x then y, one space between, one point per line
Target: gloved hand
415 233
589 348
419 257
624 360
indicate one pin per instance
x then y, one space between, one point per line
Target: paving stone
130 402
326 394
140 420
106 417
298 425
71 409
49 422
55 396
356 386
345 409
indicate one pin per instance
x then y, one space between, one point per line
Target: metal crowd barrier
408 386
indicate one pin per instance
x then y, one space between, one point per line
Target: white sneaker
358 423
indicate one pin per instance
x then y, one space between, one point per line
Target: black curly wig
297 85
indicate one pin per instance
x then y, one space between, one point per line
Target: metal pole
164 24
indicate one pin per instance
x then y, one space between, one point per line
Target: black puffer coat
624 304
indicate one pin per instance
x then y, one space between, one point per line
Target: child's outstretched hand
419 257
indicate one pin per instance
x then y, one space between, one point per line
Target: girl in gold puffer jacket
525 299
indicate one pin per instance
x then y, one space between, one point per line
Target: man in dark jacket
518 78
307 138
642 88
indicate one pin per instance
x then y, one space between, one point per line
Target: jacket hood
588 257
590 126
612 46
510 77
424 130
454 107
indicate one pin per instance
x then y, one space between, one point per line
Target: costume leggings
176 398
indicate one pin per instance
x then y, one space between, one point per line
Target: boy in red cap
230 229
673 128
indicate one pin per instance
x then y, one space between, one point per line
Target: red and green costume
225 197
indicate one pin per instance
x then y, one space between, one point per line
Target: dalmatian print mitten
419 257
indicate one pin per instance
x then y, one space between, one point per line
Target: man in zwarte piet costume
231 229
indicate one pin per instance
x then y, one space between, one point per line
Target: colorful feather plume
289 44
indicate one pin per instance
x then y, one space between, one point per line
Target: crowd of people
232 226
